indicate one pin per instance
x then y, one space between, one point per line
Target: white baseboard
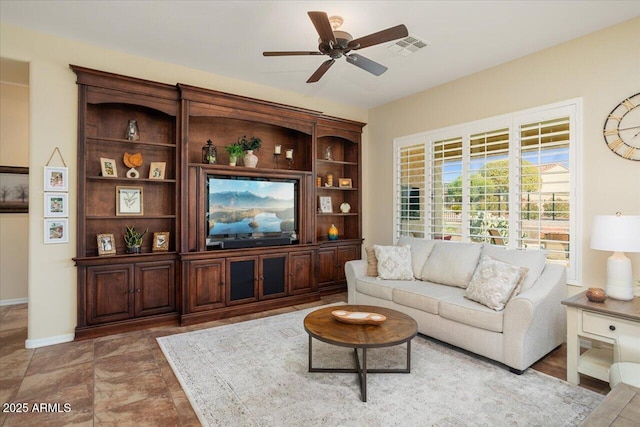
14 301
43 342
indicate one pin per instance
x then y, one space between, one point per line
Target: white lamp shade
617 233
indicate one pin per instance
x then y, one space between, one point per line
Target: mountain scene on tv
250 207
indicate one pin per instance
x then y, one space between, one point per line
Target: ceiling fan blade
320 71
290 53
383 36
366 64
320 20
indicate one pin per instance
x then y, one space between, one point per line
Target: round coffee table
397 329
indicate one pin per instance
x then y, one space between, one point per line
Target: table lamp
619 234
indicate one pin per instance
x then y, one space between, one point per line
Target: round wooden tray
358 317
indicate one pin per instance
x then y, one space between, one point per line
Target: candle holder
276 158
290 162
289 156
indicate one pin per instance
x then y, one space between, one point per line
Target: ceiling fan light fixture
336 22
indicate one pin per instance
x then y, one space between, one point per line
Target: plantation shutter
446 191
410 191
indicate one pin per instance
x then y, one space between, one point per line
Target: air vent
408 45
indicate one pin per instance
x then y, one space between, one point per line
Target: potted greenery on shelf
133 239
253 143
235 151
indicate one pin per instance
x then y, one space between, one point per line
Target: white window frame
570 108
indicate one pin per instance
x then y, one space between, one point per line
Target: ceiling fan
337 44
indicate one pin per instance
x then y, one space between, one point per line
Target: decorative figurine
132 131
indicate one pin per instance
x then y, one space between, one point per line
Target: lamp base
619 277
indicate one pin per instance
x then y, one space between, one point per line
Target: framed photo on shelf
56 179
108 167
14 189
156 170
106 244
56 205
160 241
345 183
325 204
56 231
129 201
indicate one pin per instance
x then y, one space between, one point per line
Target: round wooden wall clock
622 128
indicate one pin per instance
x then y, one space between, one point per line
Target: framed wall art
56 230
345 183
106 244
56 178
156 170
56 205
108 167
14 189
325 204
160 241
129 201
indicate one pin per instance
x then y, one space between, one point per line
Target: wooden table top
625 309
397 329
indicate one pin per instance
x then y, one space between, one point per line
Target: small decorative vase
333 232
596 294
250 159
233 160
133 249
132 131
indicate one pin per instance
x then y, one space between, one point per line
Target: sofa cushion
423 296
462 310
534 260
494 282
372 263
420 251
377 288
452 263
394 262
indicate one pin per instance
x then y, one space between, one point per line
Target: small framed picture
106 244
56 231
156 170
56 205
129 201
56 179
325 204
160 241
108 167
344 183
14 189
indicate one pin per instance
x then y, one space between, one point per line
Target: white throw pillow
495 282
533 259
394 262
452 263
420 251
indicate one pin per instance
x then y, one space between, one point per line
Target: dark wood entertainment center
187 283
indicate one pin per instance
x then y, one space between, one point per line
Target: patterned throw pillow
495 282
394 262
372 263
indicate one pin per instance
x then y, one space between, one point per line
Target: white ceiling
228 37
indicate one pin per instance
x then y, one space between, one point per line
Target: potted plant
133 239
235 150
253 143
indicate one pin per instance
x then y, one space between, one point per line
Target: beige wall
53 111
14 151
602 68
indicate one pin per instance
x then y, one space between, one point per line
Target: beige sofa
531 324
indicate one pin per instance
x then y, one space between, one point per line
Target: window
508 180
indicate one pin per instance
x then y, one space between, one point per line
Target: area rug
255 373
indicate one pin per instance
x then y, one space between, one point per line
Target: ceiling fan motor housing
340 48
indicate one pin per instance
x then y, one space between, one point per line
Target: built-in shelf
337 162
130 144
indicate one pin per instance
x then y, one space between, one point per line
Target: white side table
602 323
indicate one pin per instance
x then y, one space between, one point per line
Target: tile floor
120 379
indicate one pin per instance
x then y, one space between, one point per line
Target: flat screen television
250 211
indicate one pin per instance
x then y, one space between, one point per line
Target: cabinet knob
130 291
290 274
221 283
138 290
612 327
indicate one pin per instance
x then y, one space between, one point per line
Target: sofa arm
535 321
626 349
354 269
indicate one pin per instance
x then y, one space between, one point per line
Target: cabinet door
155 289
300 272
273 274
345 253
326 267
206 285
109 293
242 280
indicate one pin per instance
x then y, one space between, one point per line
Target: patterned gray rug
255 374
